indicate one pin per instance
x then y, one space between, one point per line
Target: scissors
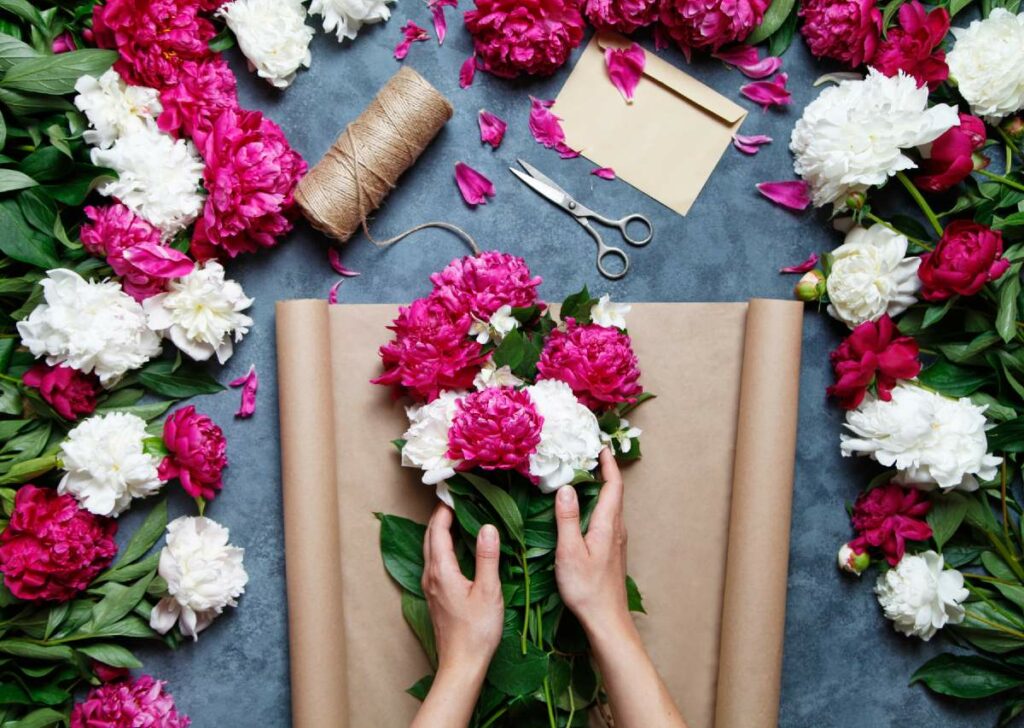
546 188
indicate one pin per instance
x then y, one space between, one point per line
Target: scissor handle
623 225
604 251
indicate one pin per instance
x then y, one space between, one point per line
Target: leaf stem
1002 497
1000 179
987 579
526 598
547 702
921 202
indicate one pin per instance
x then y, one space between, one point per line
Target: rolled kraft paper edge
328 185
315 624
757 561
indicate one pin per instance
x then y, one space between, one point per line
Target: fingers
567 519
488 549
609 502
439 547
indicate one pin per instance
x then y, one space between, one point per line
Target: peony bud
980 161
856 200
1013 127
811 287
852 562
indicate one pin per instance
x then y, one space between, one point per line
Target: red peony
204 89
70 392
431 351
887 517
497 428
874 352
51 550
845 30
534 37
112 230
198 453
625 16
709 24
479 285
967 256
951 157
596 361
913 46
127 704
251 174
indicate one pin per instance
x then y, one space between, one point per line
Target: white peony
871 276
204 574
114 108
201 313
90 326
920 596
570 438
500 325
985 64
491 375
106 464
853 135
347 17
623 437
933 440
606 313
272 35
158 177
426 441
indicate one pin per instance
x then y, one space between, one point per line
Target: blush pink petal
467 72
768 93
335 259
250 384
475 188
791 193
625 67
411 33
750 144
746 59
492 128
805 267
159 261
603 172
332 296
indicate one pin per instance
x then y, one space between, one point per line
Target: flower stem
526 594
1000 179
916 241
921 202
1002 494
12 380
547 702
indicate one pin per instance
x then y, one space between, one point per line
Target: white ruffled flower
570 438
920 596
272 35
986 66
347 17
204 574
871 276
158 178
426 442
500 325
491 375
114 108
623 437
606 313
853 135
107 465
932 440
201 313
90 326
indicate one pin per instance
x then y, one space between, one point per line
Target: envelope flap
681 83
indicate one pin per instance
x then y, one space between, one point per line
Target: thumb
567 518
488 548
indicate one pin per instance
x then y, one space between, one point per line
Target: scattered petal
603 172
746 59
768 93
806 266
492 128
625 67
250 384
437 13
411 33
566 152
159 261
791 193
467 72
750 144
335 258
332 297
837 77
475 188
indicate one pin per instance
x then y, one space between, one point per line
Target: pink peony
204 89
625 16
153 37
479 285
198 453
126 704
251 174
709 24
51 550
887 517
914 46
596 361
497 428
967 256
114 229
843 30
952 157
70 392
533 37
431 351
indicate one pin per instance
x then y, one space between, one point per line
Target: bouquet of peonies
507 406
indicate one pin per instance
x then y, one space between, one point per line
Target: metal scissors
545 187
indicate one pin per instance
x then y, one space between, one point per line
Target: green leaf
41 718
934 314
180 384
774 17
1006 319
55 618
514 673
946 515
21 104
963 353
963 676
222 41
955 6
954 380
56 75
633 596
12 50
781 40
145 536
511 350
997 567
111 654
32 651
118 603
147 412
24 10
577 306
401 546
417 616
421 687
502 503
1007 436
12 179
20 242
29 469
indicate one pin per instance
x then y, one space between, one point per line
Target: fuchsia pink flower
437 16
604 173
625 67
198 453
142 703
847 31
967 256
492 128
204 89
793 194
70 392
750 144
886 517
497 428
476 286
250 384
546 127
709 24
532 37
873 353
51 549
624 16
475 187
598 362
411 33
913 46
746 58
953 156
768 93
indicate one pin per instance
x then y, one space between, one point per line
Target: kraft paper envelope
666 143
708 509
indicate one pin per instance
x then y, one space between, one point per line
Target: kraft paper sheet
707 508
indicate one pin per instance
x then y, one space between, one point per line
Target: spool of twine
366 160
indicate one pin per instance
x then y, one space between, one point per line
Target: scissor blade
553 194
537 174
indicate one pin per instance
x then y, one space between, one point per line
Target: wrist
613 626
462 669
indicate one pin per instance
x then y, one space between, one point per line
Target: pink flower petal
603 172
440 22
768 93
566 152
411 33
159 261
806 266
335 259
750 144
545 126
475 188
467 72
250 384
746 59
492 128
793 194
625 67
332 296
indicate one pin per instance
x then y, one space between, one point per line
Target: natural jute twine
366 160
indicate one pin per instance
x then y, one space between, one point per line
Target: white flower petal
985 64
272 35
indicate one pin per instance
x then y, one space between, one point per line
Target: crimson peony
596 361
127 703
198 453
887 517
873 353
625 16
497 428
951 157
478 285
709 24
114 229
967 256
204 89
532 37
70 392
843 30
913 46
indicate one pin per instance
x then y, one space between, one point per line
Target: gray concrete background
843 665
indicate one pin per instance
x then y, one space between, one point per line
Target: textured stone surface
843 665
